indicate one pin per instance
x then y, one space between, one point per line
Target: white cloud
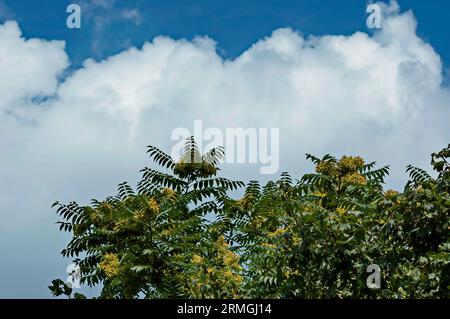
379 96
29 68
357 93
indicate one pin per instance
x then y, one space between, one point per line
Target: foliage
181 235
59 288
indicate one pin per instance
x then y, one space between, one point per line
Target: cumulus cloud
380 96
29 68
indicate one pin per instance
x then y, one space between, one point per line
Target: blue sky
73 130
235 25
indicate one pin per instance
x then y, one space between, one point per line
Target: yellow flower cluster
227 273
230 258
238 279
354 178
244 202
232 278
390 193
326 168
223 270
222 242
320 194
120 224
258 221
181 164
196 259
110 265
350 164
139 215
105 206
93 216
347 165
204 169
208 169
167 232
153 205
277 232
296 240
168 193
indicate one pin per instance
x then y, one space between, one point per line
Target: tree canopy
180 234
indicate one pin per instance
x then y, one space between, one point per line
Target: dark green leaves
181 235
